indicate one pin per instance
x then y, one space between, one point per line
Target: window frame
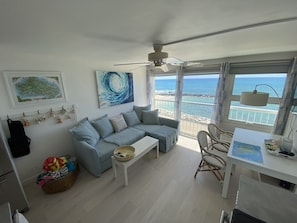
259 67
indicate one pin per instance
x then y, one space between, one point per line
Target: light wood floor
159 191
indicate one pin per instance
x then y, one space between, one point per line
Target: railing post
178 93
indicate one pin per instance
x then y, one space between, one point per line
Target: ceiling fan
159 58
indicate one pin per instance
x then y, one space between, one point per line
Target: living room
79 38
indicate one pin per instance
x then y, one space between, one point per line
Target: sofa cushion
139 109
150 117
103 126
126 137
147 128
167 137
84 131
118 122
105 149
131 118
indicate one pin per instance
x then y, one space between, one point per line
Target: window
197 100
197 106
165 95
264 115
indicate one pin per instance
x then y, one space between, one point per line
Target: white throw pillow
118 122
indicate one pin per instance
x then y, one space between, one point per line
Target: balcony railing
195 115
252 115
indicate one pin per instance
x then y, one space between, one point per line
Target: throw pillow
103 126
151 117
131 118
84 131
139 109
85 121
118 122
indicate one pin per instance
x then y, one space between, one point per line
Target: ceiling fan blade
173 61
136 63
193 64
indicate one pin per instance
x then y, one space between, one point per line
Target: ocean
203 90
207 86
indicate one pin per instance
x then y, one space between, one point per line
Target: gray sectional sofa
94 141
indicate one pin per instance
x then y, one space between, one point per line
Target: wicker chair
211 159
221 139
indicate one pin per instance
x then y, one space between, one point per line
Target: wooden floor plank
160 190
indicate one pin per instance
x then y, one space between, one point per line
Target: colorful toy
54 163
55 168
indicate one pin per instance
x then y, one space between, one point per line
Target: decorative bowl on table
124 153
272 145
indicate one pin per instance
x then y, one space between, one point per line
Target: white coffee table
142 147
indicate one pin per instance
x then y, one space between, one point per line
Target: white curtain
220 93
149 87
287 99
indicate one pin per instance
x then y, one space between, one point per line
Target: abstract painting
30 88
114 88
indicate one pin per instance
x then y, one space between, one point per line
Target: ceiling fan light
157 56
158 63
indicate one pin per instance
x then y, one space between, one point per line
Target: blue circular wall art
114 88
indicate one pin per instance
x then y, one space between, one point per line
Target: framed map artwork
114 88
29 88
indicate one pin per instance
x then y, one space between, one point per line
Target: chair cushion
103 126
118 122
139 109
214 162
131 118
150 117
84 131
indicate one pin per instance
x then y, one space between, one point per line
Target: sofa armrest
87 157
169 122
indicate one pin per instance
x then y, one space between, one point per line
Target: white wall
49 138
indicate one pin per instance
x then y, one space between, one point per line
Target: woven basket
61 184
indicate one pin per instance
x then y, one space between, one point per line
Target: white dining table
284 168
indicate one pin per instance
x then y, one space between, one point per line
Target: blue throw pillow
86 122
151 117
139 109
131 118
103 126
84 131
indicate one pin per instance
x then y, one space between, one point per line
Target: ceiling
119 31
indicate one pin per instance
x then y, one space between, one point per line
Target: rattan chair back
211 159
